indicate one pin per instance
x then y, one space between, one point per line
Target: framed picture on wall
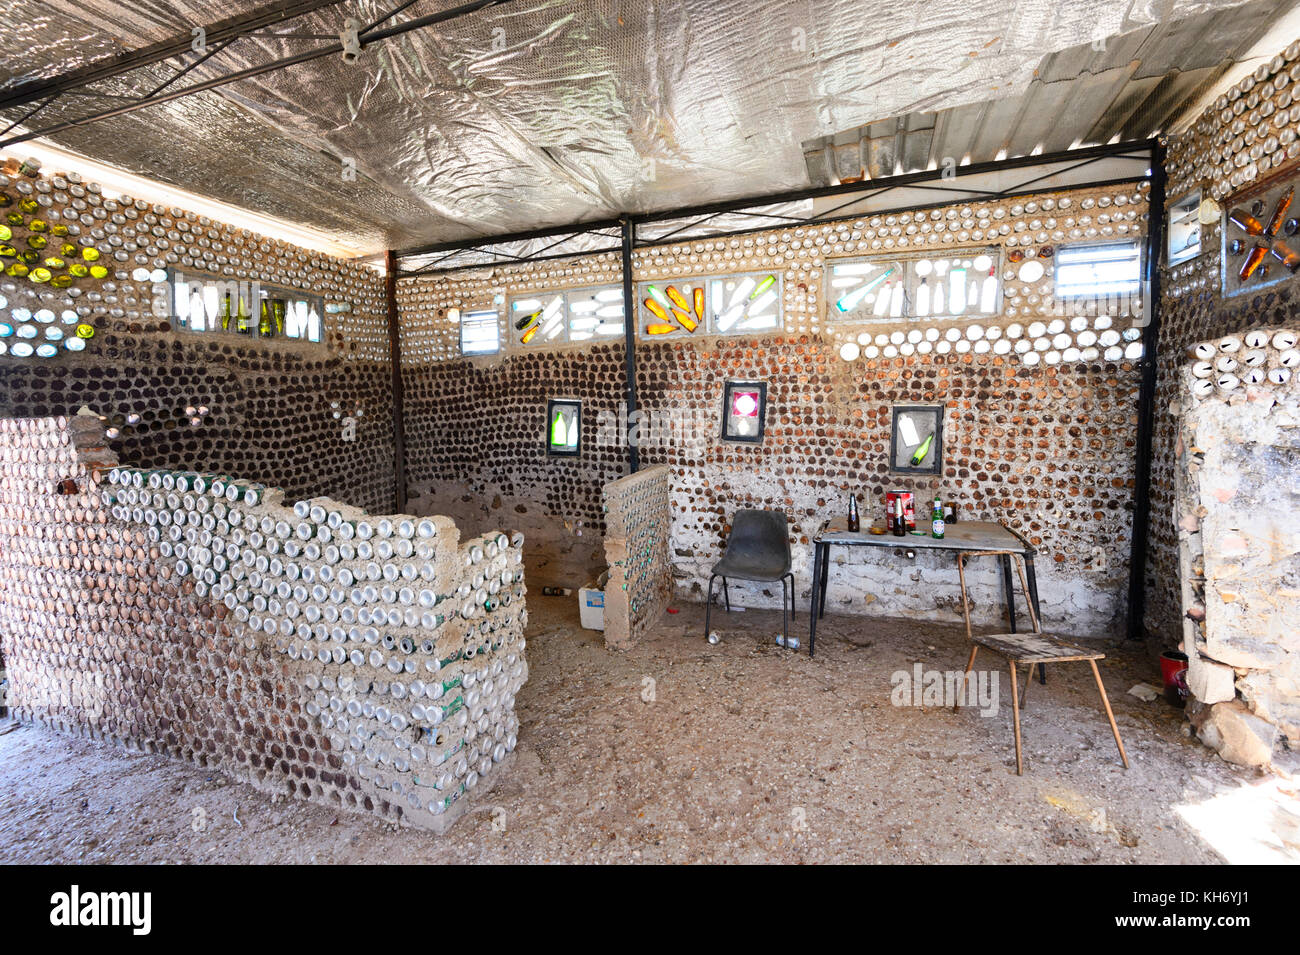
744 407
1183 234
563 427
916 439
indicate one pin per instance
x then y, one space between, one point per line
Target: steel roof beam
114 66
328 49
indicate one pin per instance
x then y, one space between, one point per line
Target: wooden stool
1035 649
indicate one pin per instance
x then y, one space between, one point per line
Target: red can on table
909 507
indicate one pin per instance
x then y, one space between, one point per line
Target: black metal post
395 357
1147 398
629 342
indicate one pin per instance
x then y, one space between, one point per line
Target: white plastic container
591 604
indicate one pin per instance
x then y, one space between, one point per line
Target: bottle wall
638 527
1039 419
313 417
1232 153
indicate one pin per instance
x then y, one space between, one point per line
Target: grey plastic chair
758 548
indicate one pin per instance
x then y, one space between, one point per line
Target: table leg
1015 718
1109 715
1038 612
812 612
1009 591
1033 588
826 572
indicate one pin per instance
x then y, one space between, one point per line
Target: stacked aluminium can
410 648
403 648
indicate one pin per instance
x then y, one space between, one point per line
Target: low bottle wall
638 522
368 663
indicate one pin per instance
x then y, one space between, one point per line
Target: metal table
964 535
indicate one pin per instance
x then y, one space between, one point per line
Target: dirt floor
679 751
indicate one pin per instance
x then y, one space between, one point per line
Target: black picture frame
931 422
560 406
730 431
1184 233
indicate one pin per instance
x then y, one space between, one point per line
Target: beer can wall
367 663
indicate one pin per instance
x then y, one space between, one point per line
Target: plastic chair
758 549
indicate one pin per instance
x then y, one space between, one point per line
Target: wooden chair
1035 649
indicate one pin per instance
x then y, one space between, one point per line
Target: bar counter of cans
365 662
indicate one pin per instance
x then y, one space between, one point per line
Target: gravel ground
740 752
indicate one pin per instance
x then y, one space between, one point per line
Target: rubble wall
1238 519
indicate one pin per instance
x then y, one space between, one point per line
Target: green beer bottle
243 320
923 450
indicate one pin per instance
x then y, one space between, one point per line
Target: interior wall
638 530
1048 448
271 404
1246 138
474 451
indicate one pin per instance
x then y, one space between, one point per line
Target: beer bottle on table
936 520
853 513
900 522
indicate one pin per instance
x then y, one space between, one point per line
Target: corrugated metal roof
1132 87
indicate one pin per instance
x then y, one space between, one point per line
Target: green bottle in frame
559 432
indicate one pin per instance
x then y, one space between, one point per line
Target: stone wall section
1238 520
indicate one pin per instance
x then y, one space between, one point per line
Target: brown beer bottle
900 522
1246 222
853 513
1279 214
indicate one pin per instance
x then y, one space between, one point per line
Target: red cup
1173 667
